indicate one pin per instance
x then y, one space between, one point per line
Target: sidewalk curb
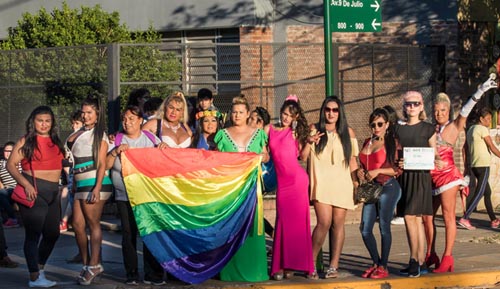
479 279
484 279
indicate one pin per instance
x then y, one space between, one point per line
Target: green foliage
67 27
64 76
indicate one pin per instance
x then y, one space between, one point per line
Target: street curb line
487 279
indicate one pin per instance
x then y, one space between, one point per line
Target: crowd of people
71 181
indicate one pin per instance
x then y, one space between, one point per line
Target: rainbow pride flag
193 208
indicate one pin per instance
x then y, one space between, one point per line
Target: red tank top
48 156
376 160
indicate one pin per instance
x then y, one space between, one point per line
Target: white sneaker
41 281
42 274
398 221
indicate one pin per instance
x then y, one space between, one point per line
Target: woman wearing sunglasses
378 164
332 149
415 184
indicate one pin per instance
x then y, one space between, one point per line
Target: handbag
19 194
368 192
269 176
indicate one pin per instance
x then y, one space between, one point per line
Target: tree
66 75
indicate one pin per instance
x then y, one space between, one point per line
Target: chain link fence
365 76
57 77
371 76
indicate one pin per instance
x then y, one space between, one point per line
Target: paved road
477 253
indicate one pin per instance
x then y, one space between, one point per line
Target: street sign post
355 15
347 16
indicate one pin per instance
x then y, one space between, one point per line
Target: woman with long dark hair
332 149
41 153
292 248
209 123
93 187
378 159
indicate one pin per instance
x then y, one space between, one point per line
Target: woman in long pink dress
292 247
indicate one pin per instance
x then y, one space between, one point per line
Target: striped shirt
5 178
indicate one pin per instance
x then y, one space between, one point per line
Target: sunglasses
412 104
377 124
333 110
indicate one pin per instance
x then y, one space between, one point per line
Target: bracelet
474 99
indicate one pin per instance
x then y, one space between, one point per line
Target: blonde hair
442 98
240 100
178 97
422 115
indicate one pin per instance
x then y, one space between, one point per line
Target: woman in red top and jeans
41 153
378 158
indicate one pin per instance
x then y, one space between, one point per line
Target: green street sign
355 15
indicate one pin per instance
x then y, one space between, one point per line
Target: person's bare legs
448 206
338 234
324 215
430 236
430 227
92 213
421 240
411 224
79 226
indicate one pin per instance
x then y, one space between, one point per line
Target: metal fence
366 76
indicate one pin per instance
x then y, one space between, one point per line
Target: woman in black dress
415 184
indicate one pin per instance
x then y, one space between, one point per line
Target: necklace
86 128
174 128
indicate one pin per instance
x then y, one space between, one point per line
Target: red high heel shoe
432 259
447 265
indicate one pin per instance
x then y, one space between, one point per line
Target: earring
294 125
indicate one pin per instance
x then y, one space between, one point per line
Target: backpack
119 137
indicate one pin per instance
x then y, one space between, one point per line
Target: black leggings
482 189
152 269
3 243
41 221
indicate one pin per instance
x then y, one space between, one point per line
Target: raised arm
314 138
469 105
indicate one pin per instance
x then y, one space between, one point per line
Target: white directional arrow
375 5
375 24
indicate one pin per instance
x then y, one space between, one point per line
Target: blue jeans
6 203
384 208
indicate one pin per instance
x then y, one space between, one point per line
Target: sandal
313 275
82 273
90 274
331 272
278 276
289 274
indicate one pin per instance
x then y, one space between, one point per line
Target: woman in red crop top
41 153
378 164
